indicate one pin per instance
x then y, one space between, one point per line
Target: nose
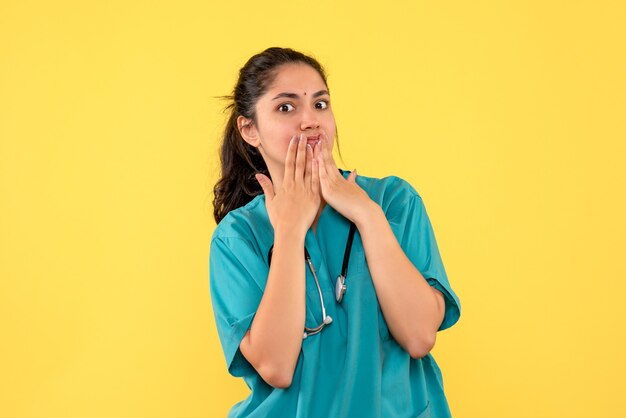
309 120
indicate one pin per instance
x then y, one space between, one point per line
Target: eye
283 106
324 104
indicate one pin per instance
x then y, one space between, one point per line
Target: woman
289 223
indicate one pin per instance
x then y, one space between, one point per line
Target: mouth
313 138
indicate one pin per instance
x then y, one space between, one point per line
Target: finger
309 165
322 153
317 151
321 163
327 153
266 185
290 159
315 178
301 158
352 176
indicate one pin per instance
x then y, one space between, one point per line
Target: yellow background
507 117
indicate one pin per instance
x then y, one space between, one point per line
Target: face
296 102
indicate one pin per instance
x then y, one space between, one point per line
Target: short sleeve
417 238
235 271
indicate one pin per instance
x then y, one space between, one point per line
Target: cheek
279 135
331 126
331 131
283 143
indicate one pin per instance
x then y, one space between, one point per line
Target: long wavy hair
239 160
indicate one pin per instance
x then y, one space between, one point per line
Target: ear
248 131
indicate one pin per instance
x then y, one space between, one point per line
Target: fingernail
309 148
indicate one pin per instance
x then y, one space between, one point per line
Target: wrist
368 212
289 234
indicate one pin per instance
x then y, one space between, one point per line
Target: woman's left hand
344 195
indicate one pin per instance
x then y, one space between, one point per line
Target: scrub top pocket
359 269
361 304
382 325
426 413
358 262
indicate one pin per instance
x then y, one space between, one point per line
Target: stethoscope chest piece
340 288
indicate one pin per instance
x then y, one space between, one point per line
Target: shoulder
392 193
244 223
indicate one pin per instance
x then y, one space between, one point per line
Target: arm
413 309
273 343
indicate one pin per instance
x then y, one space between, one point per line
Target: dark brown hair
240 161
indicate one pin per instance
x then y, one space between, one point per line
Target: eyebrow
295 96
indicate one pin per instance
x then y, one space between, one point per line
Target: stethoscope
340 286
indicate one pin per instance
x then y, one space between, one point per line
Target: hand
296 204
343 194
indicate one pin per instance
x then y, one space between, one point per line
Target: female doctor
327 287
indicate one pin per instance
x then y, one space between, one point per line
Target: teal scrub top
353 367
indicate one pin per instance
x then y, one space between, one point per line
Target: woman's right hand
295 205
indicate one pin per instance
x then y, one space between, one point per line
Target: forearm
412 309
277 328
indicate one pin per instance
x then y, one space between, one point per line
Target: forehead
296 78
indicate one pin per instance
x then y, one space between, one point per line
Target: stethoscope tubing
340 287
